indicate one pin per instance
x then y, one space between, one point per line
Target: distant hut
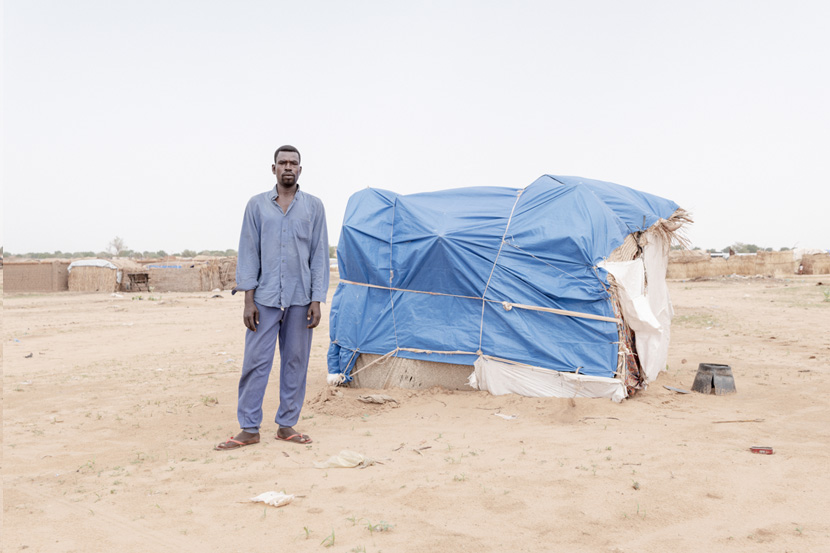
106 275
199 274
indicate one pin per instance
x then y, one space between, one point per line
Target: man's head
286 166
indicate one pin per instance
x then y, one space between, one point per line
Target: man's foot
241 439
288 434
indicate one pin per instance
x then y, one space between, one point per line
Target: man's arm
248 261
248 265
319 257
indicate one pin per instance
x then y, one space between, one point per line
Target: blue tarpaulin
508 273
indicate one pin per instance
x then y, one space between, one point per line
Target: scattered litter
678 390
506 417
15 340
376 398
127 324
221 353
277 499
216 296
216 290
158 370
117 295
743 420
763 450
29 356
346 459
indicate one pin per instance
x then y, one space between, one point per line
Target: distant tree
696 249
117 246
161 253
333 251
740 247
230 252
784 249
188 253
104 255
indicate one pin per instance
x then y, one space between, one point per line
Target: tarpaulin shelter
516 283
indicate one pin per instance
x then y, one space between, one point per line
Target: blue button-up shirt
284 257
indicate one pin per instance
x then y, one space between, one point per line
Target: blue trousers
289 326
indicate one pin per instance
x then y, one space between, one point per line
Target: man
283 267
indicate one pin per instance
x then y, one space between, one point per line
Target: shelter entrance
137 280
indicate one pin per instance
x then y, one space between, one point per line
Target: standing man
283 267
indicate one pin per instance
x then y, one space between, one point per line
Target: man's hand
250 316
314 316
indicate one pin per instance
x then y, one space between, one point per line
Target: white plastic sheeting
502 377
646 307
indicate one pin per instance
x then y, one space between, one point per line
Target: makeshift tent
516 283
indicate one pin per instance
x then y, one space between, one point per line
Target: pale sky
155 121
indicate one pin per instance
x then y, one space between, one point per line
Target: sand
112 406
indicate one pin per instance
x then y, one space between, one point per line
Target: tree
188 253
332 252
117 246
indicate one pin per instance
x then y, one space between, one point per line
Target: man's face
287 168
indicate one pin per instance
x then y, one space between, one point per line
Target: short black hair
287 148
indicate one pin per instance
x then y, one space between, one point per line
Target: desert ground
112 406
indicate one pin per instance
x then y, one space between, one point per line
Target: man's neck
287 191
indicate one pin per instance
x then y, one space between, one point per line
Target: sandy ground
112 406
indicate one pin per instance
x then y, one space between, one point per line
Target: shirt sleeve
319 262
248 261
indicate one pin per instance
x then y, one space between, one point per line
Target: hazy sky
155 121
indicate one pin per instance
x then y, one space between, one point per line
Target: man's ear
299 171
274 168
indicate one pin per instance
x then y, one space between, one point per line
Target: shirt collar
273 194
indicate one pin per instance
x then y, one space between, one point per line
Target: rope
392 273
505 304
493 270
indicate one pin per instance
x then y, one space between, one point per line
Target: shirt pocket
301 229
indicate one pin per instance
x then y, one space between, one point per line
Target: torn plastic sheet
646 307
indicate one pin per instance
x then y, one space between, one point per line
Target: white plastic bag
277 499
